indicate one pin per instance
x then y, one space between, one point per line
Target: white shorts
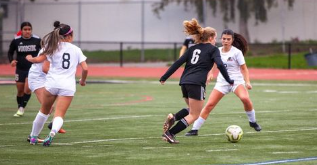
227 88
60 92
36 83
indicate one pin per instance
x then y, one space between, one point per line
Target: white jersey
36 70
63 67
232 59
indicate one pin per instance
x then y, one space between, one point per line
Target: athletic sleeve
221 66
82 57
175 66
186 43
240 58
12 48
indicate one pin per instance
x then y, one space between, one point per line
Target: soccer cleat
167 136
256 126
19 113
39 140
33 140
169 122
192 133
60 131
48 140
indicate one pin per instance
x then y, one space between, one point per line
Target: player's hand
162 82
248 86
29 57
209 78
81 82
14 63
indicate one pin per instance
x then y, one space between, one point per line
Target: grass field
122 124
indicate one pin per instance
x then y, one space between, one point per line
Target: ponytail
199 34
50 42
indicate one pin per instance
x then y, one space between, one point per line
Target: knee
245 100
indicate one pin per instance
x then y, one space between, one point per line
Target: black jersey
24 47
199 60
189 42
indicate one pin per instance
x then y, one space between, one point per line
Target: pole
289 55
142 31
121 54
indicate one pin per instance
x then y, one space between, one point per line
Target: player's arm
178 63
84 73
245 73
211 74
46 66
38 59
12 48
221 66
182 51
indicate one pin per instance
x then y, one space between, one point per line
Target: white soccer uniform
60 79
232 59
37 77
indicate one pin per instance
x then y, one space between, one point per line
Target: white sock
38 123
198 123
57 125
251 115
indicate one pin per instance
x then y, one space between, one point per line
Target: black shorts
196 92
21 75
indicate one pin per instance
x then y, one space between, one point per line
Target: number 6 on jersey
195 57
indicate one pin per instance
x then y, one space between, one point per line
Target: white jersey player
234 46
64 58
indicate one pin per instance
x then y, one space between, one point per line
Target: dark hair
51 40
26 24
63 28
238 40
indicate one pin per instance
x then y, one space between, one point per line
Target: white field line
221 150
292 152
283 161
205 135
145 116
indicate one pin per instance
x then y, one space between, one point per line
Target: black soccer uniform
189 42
23 47
199 60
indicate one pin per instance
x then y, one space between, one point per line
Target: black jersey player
189 41
199 60
23 45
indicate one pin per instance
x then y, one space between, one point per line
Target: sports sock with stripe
181 114
180 126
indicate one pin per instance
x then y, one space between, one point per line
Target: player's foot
256 126
192 133
19 113
33 140
169 122
60 131
39 140
48 140
167 136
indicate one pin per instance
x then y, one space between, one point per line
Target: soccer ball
234 133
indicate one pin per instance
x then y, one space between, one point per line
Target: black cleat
169 122
192 133
167 136
256 126
50 125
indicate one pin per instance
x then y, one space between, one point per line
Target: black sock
26 98
50 125
180 126
181 114
20 101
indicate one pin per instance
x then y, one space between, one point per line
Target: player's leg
62 104
196 96
243 95
42 116
20 93
27 93
214 97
